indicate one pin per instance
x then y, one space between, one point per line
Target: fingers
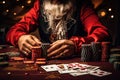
36 40
27 42
27 48
55 45
60 48
33 41
56 51
64 49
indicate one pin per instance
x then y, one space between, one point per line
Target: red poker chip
28 62
36 52
41 59
40 62
17 58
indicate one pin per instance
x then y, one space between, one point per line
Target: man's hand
61 49
26 42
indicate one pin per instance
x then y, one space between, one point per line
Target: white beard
57 16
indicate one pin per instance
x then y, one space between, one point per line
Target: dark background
11 11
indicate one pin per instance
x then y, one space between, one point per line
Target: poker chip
41 59
115 56
1 58
3 64
96 50
112 60
117 65
86 53
28 62
17 58
36 52
4 57
106 47
45 47
40 62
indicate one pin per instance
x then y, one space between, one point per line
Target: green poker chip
115 56
4 64
117 65
112 60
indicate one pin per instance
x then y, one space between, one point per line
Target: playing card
63 68
99 73
66 71
50 68
78 73
82 67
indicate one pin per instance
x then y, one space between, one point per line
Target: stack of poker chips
86 52
41 61
36 53
117 65
115 60
99 51
40 52
96 50
106 46
45 47
4 60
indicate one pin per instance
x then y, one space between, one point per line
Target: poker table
19 71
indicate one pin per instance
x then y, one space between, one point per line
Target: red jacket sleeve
95 30
24 26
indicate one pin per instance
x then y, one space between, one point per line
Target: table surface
26 74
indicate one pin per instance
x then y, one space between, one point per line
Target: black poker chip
45 47
1 58
4 57
4 64
117 65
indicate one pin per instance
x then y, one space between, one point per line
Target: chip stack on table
36 53
4 60
117 65
28 62
45 46
96 50
115 60
106 46
86 53
17 59
41 61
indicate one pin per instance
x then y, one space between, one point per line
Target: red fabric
95 30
